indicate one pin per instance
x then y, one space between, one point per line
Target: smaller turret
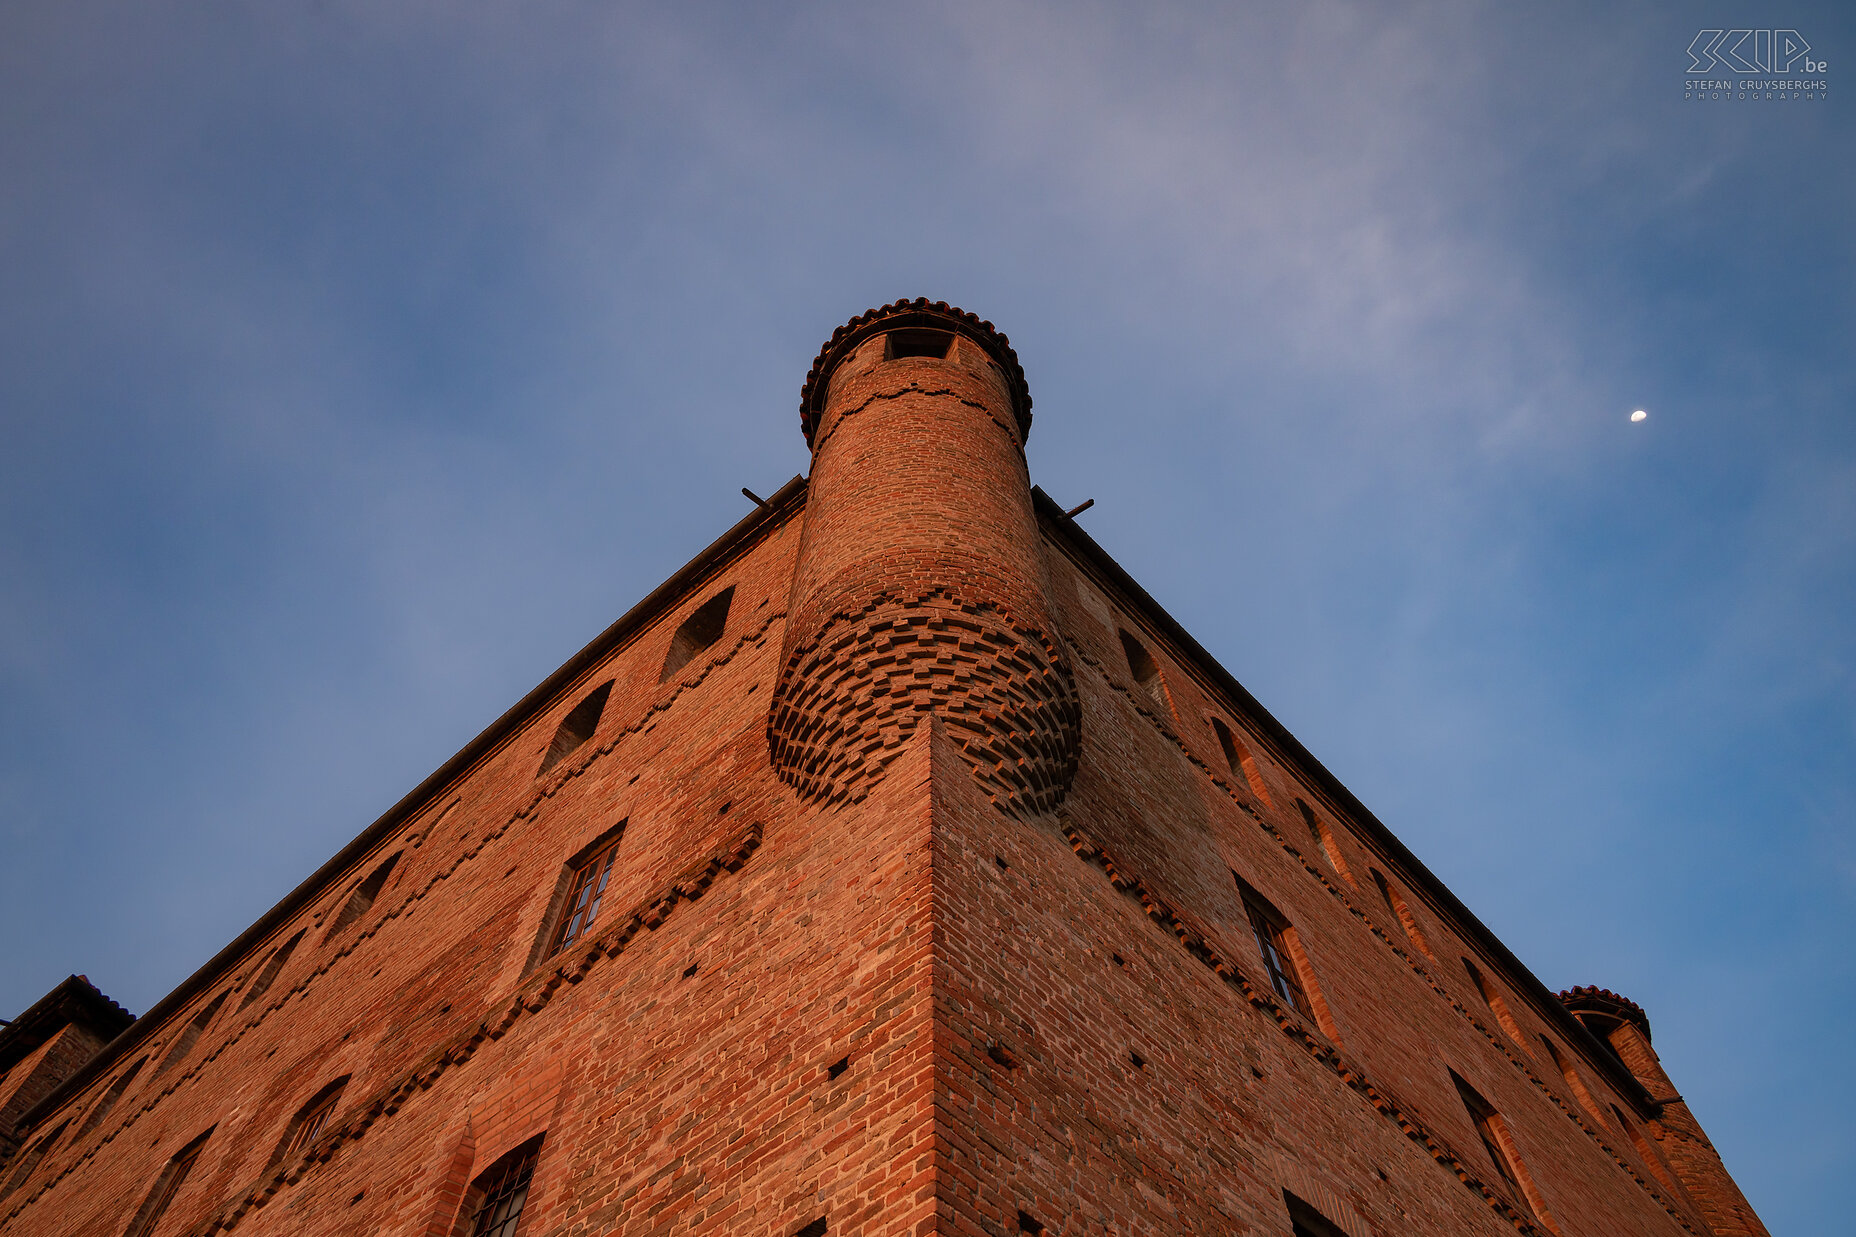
1680 1146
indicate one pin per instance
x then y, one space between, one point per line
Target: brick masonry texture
926 919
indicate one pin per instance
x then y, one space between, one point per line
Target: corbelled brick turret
920 582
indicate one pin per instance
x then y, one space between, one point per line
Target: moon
1639 415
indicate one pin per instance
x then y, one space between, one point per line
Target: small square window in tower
577 727
501 1192
700 630
922 343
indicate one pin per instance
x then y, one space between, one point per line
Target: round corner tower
920 584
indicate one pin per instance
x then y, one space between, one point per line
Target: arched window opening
30 1160
268 974
1324 838
363 896
1504 1154
700 630
309 1123
167 1185
101 1108
577 727
1646 1151
1574 1082
1143 667
1401 911
500 1193
1498 1005
1236 756
190 1035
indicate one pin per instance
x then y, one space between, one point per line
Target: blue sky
360 361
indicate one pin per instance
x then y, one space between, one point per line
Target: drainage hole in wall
1003 865
814 1229
1140 1062
1001 1057
837 1067
690 969
1028 1224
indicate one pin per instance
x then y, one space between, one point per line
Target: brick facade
936 908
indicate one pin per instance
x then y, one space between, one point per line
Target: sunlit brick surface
911 813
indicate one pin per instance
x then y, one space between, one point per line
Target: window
577 727
310 1121
1240 761
1646 1151
166 1186
1499 1142
1395 902
502 1191
103 1106
1574 1083
190 1035
1323 838
585 889
1305 1221
363 896
1498 1006
272 966
1142 666
30 1160
1489 1127
918 342
1273 942
698 632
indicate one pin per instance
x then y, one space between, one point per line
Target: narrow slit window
918 342
1498 1141
30 1160
1574 1082
167 1185
103 1106
502 1192
1323 838
1483 1116
577 727
1401 911
363 896
584 893
1237 757
1646 1151
268 975
700 630
1498 1005
190 1035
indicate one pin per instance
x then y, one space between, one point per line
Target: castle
898 867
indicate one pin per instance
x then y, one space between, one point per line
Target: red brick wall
987 963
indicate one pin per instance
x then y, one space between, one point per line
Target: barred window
502 1192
